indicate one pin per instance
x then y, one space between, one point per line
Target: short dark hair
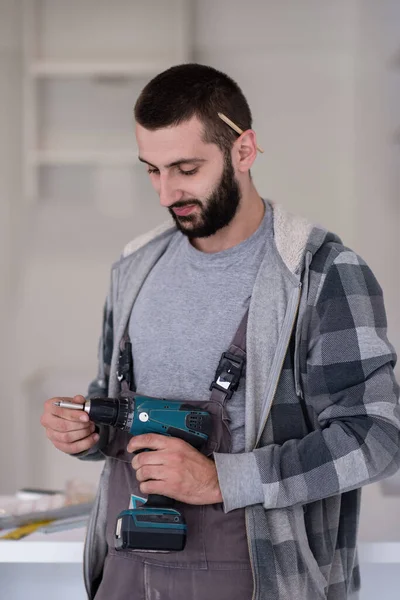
184 91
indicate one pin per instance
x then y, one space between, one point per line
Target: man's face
192 178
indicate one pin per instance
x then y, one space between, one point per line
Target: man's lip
184 210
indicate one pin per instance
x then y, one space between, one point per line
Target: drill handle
156 500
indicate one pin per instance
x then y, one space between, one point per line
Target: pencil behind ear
235 127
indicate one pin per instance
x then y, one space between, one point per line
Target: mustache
183 203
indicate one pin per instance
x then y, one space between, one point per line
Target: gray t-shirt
186 315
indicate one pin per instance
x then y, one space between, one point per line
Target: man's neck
246 221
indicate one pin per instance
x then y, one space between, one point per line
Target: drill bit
72 405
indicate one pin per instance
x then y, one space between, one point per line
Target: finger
150 472
58 424
68 437
83 416
155 457
80 446
155 486
54 422
152 441
67 413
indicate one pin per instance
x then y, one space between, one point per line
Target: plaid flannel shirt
321 445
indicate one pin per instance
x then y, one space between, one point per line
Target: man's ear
244 151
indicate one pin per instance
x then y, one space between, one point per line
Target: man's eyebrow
176 163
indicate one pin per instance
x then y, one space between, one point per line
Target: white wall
295 63
10 200
376 164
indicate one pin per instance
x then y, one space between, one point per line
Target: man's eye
192 172
151 171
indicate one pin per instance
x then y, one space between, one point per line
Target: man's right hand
69 430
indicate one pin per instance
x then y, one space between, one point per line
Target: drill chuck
117 412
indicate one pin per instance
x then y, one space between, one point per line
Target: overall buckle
228 373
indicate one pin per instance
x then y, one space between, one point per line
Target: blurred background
323 80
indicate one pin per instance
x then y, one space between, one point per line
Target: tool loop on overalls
124 369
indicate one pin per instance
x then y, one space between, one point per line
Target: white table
45 566
380 570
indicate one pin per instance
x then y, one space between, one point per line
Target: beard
216 212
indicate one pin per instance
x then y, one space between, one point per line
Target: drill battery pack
150 530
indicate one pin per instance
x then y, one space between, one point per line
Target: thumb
79 399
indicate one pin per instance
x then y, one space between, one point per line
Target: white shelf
144 68
85 63
87 157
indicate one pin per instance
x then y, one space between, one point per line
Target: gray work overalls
214 564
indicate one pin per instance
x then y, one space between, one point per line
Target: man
316 415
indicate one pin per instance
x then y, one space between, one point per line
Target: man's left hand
174 469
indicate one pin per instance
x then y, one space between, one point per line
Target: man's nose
168 192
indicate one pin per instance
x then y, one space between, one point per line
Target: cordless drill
152 525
